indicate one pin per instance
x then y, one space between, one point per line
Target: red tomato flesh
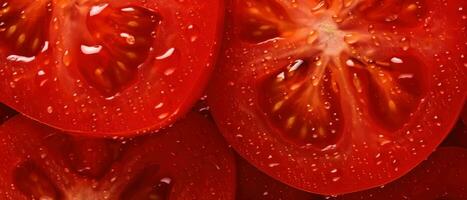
106 67
187 161
338 96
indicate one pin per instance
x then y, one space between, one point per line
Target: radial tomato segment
119 43
44 163
303 103
24 27
392 87
261 20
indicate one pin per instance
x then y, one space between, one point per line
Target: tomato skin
252 184
190 158
361 158
159 95
441 176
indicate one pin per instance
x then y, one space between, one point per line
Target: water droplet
95 10
89 50
50 109
397 60
163 115
167 54
129 9
335 179
41 73
18 58
169 71
166 180
349 63
273 164
159 105
130 39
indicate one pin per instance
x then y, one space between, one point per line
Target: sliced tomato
442 176
338 96
187 161
252 184
106 67
5 113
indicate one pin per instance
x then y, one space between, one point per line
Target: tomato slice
442 176
338 96
5 113
187 161
252 184
116 67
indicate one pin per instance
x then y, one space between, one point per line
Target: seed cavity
24 27
122 39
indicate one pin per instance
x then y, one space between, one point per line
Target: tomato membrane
44 163
339 96
118 67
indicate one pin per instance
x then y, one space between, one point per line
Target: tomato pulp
336 96
106 67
